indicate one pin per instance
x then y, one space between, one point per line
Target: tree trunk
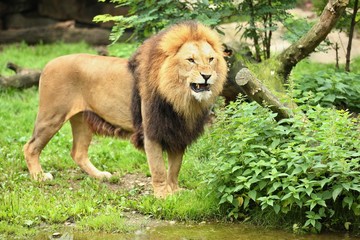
254 34
351 34
307 44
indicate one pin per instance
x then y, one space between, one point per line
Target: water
198 232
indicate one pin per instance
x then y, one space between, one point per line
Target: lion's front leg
175 161
156 163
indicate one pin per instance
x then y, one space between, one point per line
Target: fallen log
64 31
24 77
258 92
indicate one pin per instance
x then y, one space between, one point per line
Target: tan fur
69 86
74 85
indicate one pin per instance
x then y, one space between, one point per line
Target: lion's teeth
197 86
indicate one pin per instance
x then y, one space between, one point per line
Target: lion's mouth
200 87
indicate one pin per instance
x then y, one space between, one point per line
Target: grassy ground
73 198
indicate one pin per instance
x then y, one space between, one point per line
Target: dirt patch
134 182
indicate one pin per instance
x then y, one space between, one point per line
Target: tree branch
307 44
256 91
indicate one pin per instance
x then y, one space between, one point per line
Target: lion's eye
191 60
211 59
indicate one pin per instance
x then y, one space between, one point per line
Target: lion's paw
48 176
40 177
104 175
165 191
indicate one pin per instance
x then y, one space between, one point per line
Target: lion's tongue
200 87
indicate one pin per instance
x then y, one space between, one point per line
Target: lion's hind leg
82 136
45 128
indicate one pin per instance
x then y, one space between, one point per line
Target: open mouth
200 87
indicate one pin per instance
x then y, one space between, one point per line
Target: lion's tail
101 127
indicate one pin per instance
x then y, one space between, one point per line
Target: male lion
160 98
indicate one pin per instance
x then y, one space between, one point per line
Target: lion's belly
111 99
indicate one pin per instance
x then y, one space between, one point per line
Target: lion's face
195 72
197 69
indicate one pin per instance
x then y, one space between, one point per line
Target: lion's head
185 65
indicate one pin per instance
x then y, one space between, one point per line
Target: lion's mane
175 118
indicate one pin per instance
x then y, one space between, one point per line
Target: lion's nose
205 76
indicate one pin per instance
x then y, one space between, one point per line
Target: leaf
324 181
221 188
329 98
246 202
347 225
235 168
297 170
336 192
309 191
286 196
346 186
223 199
349 201
240 201
322 203
252 194
276 208
230 198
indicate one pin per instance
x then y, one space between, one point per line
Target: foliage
263 18
149 17
305 169
329 88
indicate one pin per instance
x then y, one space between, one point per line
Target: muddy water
198 232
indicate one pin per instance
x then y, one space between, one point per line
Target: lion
159 99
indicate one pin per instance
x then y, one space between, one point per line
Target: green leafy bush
329 88
307 171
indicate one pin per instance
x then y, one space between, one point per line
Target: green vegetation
303 175
329 88
304 172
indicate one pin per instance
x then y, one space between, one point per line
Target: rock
17 21
82 11
56 235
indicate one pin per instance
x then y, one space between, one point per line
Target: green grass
37 56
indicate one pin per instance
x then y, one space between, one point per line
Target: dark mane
167 127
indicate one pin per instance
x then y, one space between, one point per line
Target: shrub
305 170
329 88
